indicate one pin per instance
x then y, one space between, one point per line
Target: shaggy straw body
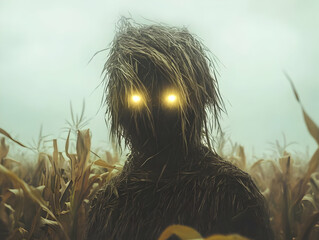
170 177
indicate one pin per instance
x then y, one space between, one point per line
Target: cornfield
49 199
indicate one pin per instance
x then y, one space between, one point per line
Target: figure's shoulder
225 176
214 165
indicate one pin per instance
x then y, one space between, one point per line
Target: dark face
155 117
164 113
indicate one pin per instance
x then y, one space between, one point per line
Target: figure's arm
101 214
247 212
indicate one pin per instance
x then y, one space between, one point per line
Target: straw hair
142 57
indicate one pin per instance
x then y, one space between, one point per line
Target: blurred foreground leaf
188 233
183 232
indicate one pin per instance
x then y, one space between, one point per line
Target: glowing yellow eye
171 98
136 98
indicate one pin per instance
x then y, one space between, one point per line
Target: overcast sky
45 47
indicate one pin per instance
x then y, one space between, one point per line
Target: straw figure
161 87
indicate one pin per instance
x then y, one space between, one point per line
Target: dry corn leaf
256 165
67 143
285 165
104 164
313 164
18 233
92 181
51 225
301 187
18 192
312 127
274 167
6 222
4 149
55 157
315 190
257 173
10 163
84 187
65 194
293 86
308 197
83 146
308 226
242 157
110 159
8 135
35 222
33 195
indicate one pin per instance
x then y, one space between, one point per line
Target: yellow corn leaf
104 164
183 232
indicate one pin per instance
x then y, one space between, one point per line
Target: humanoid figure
161 87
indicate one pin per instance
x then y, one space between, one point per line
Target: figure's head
161 85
